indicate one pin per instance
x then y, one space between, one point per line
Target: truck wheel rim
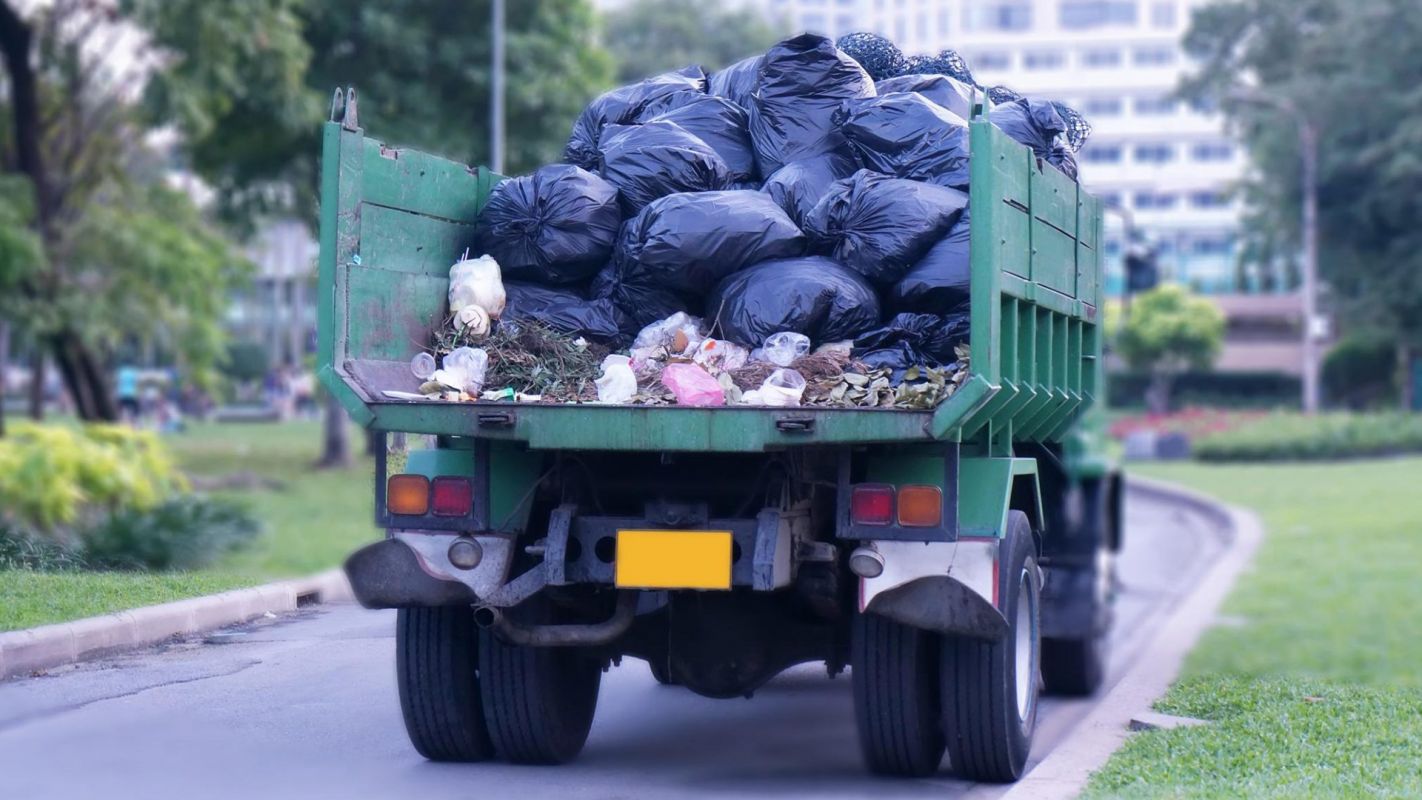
1026 645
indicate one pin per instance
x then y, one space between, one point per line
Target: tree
124 258
21 255
1166 331
1351 66
422 70
652 36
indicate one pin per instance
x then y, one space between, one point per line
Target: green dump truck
956 560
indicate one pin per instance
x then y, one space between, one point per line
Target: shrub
1295 437
1361 371
185 532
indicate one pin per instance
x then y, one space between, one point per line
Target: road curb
27 651
1064 773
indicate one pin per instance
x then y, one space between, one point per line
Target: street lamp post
1308 158
496 101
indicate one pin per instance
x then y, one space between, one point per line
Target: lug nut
465 553
866 562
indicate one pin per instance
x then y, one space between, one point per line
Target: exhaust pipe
599 633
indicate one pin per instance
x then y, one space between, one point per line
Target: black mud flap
940 603
388 575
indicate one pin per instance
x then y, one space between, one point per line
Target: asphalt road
305 706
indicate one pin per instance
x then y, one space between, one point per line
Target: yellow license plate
674 559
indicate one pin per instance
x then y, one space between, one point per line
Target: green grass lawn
310 524
1319 692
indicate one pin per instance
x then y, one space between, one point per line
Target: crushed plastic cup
477 282
721 355
693 385
618 384
423 365
679 334
783 388
783 348
467 366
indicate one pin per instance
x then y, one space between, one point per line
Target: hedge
1254 390
1295 437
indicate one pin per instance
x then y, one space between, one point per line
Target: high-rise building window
1209 199
1103 154
1102 107
1154 201
998 15
843 23
1082 14
1219 245
1154 153
1102 58
1155 106
1162 14
815 23
1043 59
990 60
1153 57
944 24
1212 151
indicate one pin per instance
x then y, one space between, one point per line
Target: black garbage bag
566 310
940 282
910 340
623 105
737 82
906 135
944 90
802 82
604 283
880 226
813 296
657 159
686 243
798 186
556 225
721 124
878 56
1037 124
944 62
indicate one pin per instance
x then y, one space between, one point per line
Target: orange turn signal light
407 494
920 506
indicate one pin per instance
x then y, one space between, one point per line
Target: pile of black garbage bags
802 190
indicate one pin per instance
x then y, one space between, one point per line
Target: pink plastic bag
693 386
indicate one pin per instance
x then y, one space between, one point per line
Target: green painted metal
433 463
513 471
985 493
393 220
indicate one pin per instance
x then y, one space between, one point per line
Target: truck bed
393 221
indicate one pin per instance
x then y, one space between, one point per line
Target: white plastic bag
465 368
477 282
618 384
782 389
677 335
720 355
472 320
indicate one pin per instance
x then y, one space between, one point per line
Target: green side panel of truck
394 220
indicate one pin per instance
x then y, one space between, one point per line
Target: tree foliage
652 36
1352 67
1167 331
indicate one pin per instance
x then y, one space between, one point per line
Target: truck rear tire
538 701
990 689
436 667
896 706
1073 667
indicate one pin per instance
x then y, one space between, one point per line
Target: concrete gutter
1065 771
35 649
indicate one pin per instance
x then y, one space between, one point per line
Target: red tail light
872 504
452 497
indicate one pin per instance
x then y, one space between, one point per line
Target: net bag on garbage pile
556 225
686 243
880 226
566 310
736 82
722 125
906 135
802 82
1038 125
913 340
940 282
813 296
878 56
623 105
944 90
944 62
798 186
649 161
